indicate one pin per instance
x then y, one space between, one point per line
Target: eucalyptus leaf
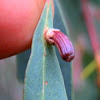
21 61
96 2
43 80
66 68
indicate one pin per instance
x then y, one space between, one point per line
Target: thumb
18 20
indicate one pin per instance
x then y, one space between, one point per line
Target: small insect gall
61 41
46 83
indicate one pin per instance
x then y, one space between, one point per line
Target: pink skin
18 20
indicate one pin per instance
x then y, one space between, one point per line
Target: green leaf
21 61
66 68
88 91
71 13
96 2
43 79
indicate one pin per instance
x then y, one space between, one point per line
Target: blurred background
82 18
10 87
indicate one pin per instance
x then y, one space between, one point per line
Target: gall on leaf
61 41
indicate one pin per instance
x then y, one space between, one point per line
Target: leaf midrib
43 90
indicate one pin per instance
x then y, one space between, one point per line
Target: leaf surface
43 79
66 68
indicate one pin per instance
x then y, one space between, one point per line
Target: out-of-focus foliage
72 15
22 60
10 88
